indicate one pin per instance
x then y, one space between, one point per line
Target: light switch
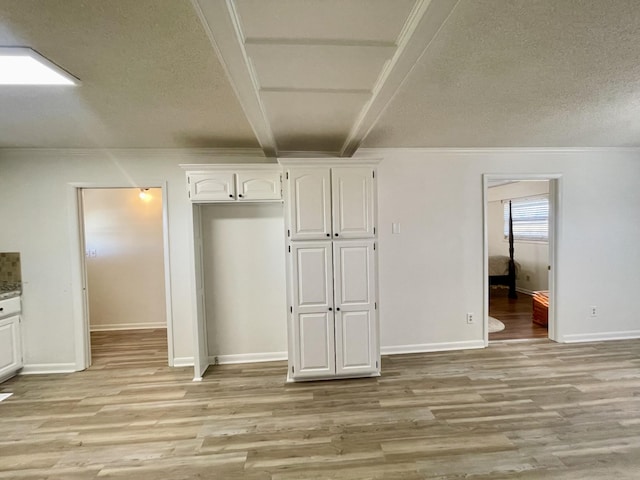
395 228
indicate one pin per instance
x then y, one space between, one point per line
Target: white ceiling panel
322 75
149 78
330 67
312 120
352 20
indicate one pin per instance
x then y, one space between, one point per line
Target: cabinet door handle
336 234
337 309
240 195
330 309
230 196
328 234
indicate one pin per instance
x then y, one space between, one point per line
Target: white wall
244 270
533 257
125 261
36 199
431 274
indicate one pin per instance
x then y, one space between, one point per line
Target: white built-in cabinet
332 203
330 229
222 183
332 269
10 338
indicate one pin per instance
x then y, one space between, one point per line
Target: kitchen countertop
10 290
9 294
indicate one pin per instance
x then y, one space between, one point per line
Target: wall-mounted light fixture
144 194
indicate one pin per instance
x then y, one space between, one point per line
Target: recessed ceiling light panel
24 66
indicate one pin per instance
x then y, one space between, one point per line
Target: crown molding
328 161
186 155
494 150
214 167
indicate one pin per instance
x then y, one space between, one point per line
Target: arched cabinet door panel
310 203
218 183
352 202
206 187
259 186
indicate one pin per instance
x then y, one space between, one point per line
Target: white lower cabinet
10 338
354 293
333 323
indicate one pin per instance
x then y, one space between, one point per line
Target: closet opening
243 274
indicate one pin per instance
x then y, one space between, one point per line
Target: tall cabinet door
310 203
355 301
313 315
353 202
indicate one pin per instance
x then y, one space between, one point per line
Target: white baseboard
525 291
127 326
248 358
599 337
44 368
183 362
432 347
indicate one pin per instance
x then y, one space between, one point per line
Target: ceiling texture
326 76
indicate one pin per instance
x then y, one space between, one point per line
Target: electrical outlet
593 311
470 318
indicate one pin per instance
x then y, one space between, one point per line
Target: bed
503 270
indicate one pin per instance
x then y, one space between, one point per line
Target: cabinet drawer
10 306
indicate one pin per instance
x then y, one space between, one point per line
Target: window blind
530 219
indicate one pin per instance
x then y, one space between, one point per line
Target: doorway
124 258
520 225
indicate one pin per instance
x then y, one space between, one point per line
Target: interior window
530 219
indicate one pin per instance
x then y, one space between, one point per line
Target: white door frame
555 223
200 336
79 269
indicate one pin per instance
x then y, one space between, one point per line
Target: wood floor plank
534 410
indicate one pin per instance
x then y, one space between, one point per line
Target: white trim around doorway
555 223
78 267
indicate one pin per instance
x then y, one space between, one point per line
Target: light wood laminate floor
535 410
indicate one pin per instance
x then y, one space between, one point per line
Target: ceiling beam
221 24
422 26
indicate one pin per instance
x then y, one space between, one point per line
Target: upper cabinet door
353 202
309 203
259 185
211 187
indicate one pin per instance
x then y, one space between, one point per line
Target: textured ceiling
150 78
526 73
327 75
